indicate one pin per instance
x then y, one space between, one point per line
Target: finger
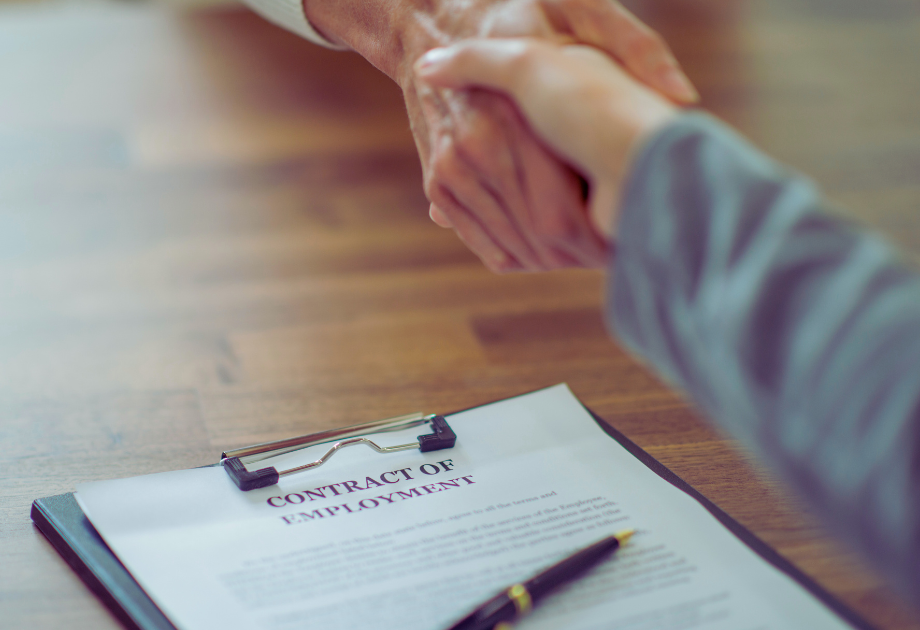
449 170
612 28
437 215
527 70
490 63
473 235
489 135
541 200
470 193
552 207
559 216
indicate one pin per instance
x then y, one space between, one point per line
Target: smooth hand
487 177
582 105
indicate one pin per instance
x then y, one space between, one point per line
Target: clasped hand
507 196
584 107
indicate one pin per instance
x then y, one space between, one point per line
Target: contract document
413 541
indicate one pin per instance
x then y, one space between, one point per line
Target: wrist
390 34
611 169
629 125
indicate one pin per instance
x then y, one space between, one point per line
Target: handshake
525 113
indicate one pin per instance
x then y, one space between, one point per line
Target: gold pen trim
521 598
623 536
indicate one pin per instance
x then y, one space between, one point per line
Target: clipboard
65 526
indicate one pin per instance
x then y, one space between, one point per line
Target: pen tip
624 536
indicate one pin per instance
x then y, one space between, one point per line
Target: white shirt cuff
289 14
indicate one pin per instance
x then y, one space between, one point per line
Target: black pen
518 600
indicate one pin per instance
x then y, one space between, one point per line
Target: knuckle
444 166
525 58
475 144
471 132
440 176
513 19
441 197
432 191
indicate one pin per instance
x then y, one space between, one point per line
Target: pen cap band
518 594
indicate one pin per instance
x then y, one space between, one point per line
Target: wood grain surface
213 233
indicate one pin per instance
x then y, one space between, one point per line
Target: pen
518 600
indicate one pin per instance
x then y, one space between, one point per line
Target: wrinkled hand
487 177
494 183
509 199
581 103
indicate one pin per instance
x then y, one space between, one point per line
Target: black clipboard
63 523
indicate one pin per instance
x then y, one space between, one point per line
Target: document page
413 540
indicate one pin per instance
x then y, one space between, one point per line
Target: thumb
481 63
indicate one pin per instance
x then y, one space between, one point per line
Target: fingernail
500 260
432 59
679 85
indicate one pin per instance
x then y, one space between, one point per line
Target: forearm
793 330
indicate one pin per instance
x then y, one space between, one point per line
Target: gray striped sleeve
794 330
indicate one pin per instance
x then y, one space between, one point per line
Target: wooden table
212 234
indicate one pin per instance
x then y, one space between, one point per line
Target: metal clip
234 462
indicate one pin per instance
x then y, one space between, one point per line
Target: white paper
530 480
